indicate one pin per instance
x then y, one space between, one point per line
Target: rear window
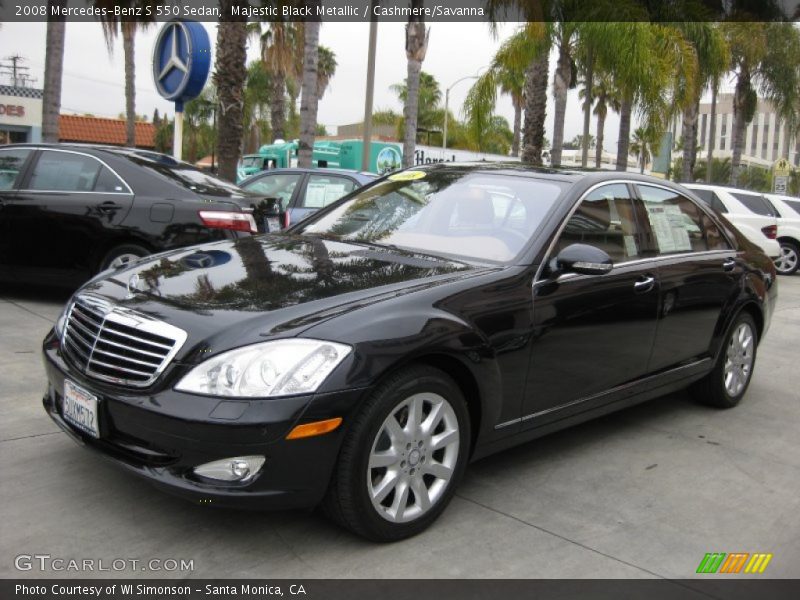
793 204
756 204
183 174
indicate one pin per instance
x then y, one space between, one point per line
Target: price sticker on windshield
407 176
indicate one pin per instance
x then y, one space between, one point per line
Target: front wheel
402 458
726 385
789 260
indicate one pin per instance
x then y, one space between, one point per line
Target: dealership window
322 190
677 224
723 132
64 172
764 136
604 220
754 137
11 162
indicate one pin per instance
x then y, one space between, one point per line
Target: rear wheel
122 256
789 259
726 385
402 458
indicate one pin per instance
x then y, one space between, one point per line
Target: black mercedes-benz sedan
362 358
68 211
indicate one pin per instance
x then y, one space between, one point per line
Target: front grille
116 344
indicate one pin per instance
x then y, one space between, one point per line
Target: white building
764 136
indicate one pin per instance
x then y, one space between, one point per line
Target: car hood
258 287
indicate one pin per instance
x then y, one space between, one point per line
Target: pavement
642 493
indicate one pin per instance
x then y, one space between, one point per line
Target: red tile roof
94 130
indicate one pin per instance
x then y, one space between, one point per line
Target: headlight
277 368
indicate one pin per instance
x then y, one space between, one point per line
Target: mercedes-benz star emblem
175 61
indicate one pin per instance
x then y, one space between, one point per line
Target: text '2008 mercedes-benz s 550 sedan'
362 358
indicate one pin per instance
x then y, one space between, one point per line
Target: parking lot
641 493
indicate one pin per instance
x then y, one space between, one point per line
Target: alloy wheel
787 261
123 260
413 457
739 359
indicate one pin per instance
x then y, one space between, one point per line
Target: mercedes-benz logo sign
175 61
172 60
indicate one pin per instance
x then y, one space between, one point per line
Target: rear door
321 189
12 166
593 333
699 274
68 205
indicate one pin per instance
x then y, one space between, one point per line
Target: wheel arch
102 250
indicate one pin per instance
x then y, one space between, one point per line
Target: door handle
108 206
645 284
729 264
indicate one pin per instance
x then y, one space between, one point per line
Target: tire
727 383
789 259
378 483
122 255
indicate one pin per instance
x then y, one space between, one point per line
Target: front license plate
80 409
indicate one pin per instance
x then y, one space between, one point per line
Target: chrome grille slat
116 344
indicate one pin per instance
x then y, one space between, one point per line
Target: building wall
764 136
21 112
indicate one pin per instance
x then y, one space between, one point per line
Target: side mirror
583 259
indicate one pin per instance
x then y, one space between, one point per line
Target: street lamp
446 104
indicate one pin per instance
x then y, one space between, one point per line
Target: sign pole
367 139
177 136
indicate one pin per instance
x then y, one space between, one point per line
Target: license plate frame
80 409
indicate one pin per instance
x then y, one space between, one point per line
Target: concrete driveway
641 493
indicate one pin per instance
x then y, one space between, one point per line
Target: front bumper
163 435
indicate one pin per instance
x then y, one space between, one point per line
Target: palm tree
642 145
428 98
257 99
279 51
712 56
760 62
53 71
310 98
113 26
417 36
606 96
229 79
326 68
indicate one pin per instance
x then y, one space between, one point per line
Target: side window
64 172
108 182
710 199
678 224
278 185
794 205
322 190
754 203
11 162
605 219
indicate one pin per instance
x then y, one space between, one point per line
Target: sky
94 78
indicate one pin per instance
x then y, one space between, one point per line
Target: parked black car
68 211
363 357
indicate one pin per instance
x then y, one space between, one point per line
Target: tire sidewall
796 250
387 399
119 250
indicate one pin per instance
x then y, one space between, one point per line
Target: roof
20 92
95 130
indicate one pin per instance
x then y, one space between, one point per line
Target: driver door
593 334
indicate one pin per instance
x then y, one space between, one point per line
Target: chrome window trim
100 160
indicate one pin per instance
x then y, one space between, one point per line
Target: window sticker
669 226
407 176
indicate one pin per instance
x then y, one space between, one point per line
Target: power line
15 70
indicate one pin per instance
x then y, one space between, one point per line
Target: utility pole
15 69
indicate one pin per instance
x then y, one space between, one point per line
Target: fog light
238 468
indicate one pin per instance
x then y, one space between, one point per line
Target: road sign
181 62
780 184
782 168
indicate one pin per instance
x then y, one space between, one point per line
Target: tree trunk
278 107
229 77
535 109
625 109
739 124
598 152
53 70
561 82
689 135
416 48
309 99
587 107
712 133
128 33
517 127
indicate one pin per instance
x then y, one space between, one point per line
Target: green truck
339 154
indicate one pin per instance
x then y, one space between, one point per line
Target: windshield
251 161
480 216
